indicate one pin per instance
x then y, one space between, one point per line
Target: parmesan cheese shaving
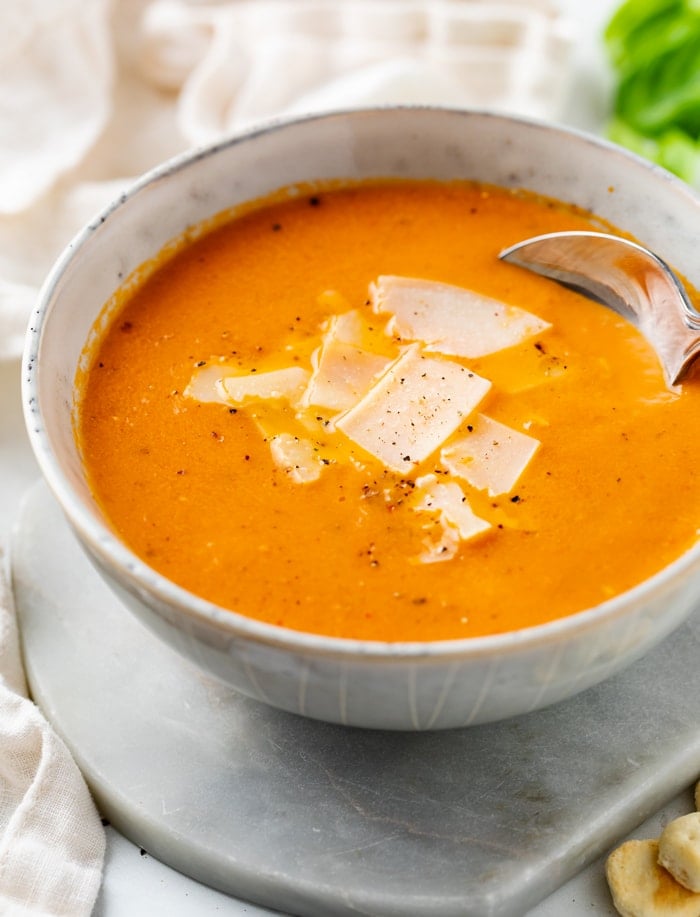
453 515
490 455
451 320
343 369
203 384
348 327
296 456
288 384
442 545
219 382
353 327
413 408
449 501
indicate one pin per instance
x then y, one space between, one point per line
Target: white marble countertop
134 882
137 884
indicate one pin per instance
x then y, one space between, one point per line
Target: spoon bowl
627 278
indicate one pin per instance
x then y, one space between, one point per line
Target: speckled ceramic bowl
397 685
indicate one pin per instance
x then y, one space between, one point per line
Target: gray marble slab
319 820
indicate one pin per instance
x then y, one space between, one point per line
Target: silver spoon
625 277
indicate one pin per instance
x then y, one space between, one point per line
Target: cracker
679 850
640 887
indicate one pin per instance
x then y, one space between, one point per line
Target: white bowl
429 685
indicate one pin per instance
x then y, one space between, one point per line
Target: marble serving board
319 820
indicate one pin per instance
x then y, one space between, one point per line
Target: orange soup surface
293 417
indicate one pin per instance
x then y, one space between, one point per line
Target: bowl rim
139 578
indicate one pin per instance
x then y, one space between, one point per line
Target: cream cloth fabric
51 839
93 93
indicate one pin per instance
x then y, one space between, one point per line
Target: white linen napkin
51 838
94 93
237 63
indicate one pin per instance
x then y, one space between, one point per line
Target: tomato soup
339 412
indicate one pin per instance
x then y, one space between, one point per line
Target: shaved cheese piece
219 382
448 500
296 456
343 375
449 319
492 456
343 369
288 383
353 328
203 386
456 520
348 327
442 546
413 408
